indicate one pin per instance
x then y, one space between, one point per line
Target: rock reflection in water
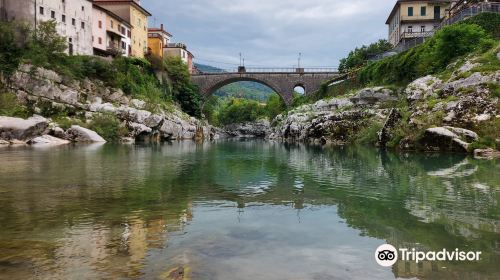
251 209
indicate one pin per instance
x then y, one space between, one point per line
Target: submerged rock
80 134
48 140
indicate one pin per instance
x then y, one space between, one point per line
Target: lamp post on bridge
299 69
241 68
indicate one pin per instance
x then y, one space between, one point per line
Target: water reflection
253 209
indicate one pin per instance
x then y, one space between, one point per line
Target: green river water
242 210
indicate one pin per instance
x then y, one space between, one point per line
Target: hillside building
132 12
412 20
111 34
158 39
73 19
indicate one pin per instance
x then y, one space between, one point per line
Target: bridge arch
229 81
282 83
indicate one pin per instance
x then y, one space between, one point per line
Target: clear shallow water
241 210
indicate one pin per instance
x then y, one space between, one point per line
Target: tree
46 44
184 91
359 56
13 40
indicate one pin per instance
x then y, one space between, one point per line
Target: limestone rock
48 140
370 96
259 129
138 104
446 139
137 129
3 142
385 135
20 129
486 154
474 80
80 134
422 88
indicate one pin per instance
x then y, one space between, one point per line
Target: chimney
161 27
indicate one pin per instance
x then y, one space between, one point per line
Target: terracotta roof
398 3
118 2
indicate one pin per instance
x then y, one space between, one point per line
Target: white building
73 18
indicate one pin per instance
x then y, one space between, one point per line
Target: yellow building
158 39
410 19
137 16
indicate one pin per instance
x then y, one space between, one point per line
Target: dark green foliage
46 45
431 57
108 126
13 41
360 56
488 21
275 106
10 107
184 91
240 110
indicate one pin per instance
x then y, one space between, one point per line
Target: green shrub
108 126
184 91
488 21
430 57
275 106
13 41
369 133
240 111
11 108
360 56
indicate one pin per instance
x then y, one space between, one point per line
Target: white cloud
273 32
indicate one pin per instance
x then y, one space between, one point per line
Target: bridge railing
290 70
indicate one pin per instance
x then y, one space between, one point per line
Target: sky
271 33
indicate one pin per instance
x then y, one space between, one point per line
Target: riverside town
248 140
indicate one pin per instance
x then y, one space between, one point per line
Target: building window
100 24
423 11
73 21
410 11
112 24
53 14
99 40
83 8
63 18
124 46
410 29
42 10
129 34
83 25
422 28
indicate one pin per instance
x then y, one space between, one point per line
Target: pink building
99 29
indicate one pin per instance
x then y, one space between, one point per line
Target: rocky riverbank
46 92
456 112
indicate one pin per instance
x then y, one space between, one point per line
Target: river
242 210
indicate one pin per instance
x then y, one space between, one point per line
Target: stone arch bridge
282 81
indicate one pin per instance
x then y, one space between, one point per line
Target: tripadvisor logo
387 255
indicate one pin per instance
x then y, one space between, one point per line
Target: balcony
413 35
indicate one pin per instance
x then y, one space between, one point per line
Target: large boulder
370 96
80 134
447 139
259 129
21 129
422 88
